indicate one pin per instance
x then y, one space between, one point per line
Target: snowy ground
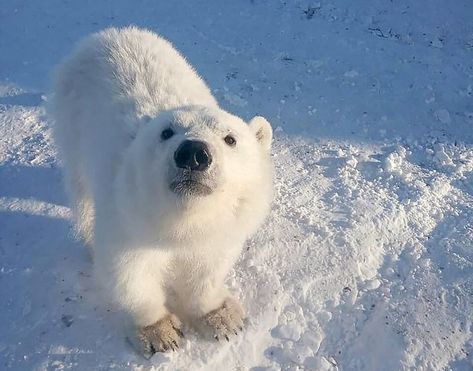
366 262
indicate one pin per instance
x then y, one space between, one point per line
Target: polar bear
164 184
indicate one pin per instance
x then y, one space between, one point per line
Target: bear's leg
218 315
138 278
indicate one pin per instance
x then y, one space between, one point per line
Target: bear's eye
167 133
230 140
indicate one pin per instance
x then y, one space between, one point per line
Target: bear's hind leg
82 205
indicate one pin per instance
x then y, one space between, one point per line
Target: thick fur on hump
112 98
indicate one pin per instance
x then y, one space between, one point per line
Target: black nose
193 155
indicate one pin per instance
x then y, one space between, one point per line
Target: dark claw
226 337
235 332
216 338
179 332
165 347
152 349
175 344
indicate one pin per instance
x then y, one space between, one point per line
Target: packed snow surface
366 262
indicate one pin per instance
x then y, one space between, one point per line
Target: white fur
154 250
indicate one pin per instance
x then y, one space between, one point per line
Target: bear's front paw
161 336
226 320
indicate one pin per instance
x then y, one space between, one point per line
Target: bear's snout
193 155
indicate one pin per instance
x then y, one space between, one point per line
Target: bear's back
134 71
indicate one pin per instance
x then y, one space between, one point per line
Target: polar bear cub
164 184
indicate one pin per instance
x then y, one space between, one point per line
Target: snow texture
366 262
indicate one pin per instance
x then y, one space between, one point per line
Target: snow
366 262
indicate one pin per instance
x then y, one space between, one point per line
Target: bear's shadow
22 99
29 182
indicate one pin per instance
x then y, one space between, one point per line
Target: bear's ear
261 128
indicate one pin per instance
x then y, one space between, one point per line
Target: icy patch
235 100
443 116
351 74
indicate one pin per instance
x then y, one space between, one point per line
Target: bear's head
196 170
